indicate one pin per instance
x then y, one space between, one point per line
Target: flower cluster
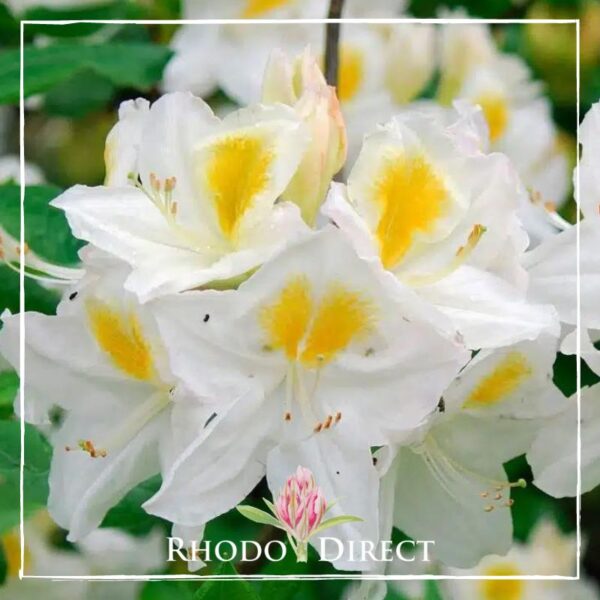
238 314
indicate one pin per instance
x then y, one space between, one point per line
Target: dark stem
332 43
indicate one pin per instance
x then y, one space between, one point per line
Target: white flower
442 216
553 455
125 418
448 482
301 85
103 552
552 266
519 118
331 357
548 552
200 203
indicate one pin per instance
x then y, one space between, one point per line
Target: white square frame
341 576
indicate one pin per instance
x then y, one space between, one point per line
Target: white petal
488 311
553 456
82 488
512 382
221 467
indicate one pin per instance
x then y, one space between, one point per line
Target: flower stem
332 42
302 552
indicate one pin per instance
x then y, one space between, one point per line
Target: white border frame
341 576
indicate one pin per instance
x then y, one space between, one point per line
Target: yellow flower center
256 8
411 198
326 327
351 72
236 173
508 375
495 111
502 589
121 337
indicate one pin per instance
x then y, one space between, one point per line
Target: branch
332 43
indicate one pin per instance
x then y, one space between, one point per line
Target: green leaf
226 590
258 516
432 591
35 472
37 297
129 515
168 590
125 64
80 95
336 521
9 385
60 247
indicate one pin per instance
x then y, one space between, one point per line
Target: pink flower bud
301 505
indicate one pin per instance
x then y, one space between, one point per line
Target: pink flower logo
298 510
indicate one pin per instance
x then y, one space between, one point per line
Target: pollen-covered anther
170 184
338 417
489 508
498 496
473 239
509 503
287 416
328 422
155 183
484 494
550 207
88 446
318 427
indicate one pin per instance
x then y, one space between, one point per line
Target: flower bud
301 84
301 505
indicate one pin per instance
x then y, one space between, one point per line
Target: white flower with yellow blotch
331 356
301 84
459 494
103 552
190 199
442 217
518 117
548 552
126 416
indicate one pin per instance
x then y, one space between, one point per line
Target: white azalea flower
459 494
126 416
313 335
553 455
548 552
442 216
103 552
200 205
552 266
519 118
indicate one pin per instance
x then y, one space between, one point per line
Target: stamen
461 255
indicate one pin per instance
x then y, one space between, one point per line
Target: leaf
61 246
9 386
38 454
336 521
168 590
226 590
125 64
432 591
258 516
37 297
129 515
3 565
80 95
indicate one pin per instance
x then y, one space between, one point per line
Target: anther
287 416
328 421
318 427
489 508
498 496
509 503
484 494
338 416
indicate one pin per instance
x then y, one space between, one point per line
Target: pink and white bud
301 505
301 84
